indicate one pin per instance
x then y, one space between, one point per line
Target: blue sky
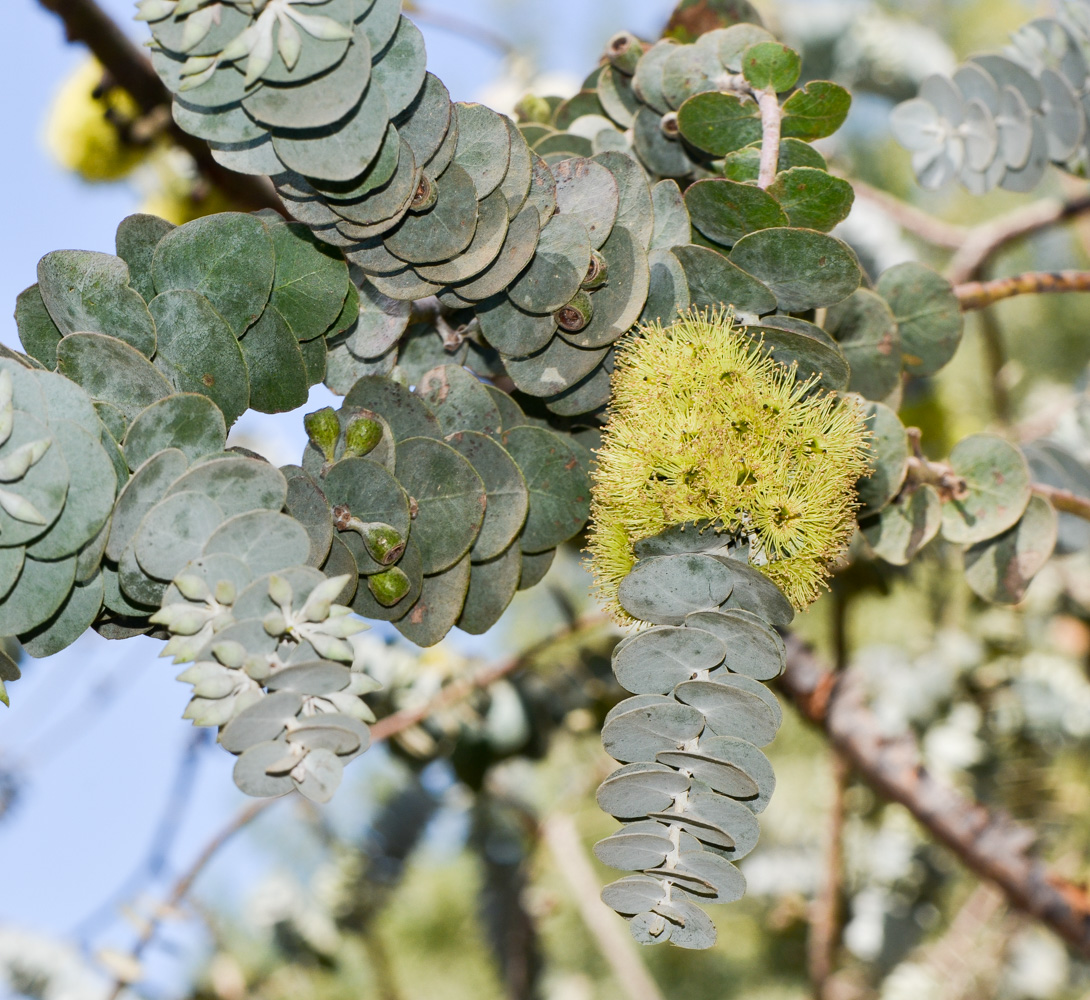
95 733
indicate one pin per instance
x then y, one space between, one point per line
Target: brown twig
979 294
915 220
983 241
988 843
86 22
1065 500
614 942
459 690
385 729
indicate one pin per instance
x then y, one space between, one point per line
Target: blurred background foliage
444 873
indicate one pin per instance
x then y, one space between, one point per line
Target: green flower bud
389 587
323 428
623 51
533 109
361 436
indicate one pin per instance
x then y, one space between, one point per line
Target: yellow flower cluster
79 132
706 427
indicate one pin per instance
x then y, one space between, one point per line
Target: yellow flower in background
704 426
80 134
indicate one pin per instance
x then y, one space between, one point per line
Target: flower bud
323 428
623 51
534 109
389 587
576 314
361 436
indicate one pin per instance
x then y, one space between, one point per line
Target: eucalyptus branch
951 486
614 942
989 843
1064 500
985 240
771 119
86 22
915 220
980 294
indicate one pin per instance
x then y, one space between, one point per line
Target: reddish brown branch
990 844
979 294
86 22
1065 500
983 241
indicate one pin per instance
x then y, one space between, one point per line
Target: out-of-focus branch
983 241
915 220
86 22
990 844
1065 500
979 294
614 942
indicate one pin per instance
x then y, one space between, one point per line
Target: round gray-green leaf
753 648
39 592
199 352
274 361
190 422
265 540
812 198
88 292
69 622
174 531
37 332
730 708
633 791
715 281
111 370
887 456
146 488
406 413
237 483
492 585
507 498
450 499
310 281
641 727
868 334
725 211
905 526
804 268
658 659
439 606
998 489
559 486
1001 568
228 258
664 589
136 239
91 492
927 312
